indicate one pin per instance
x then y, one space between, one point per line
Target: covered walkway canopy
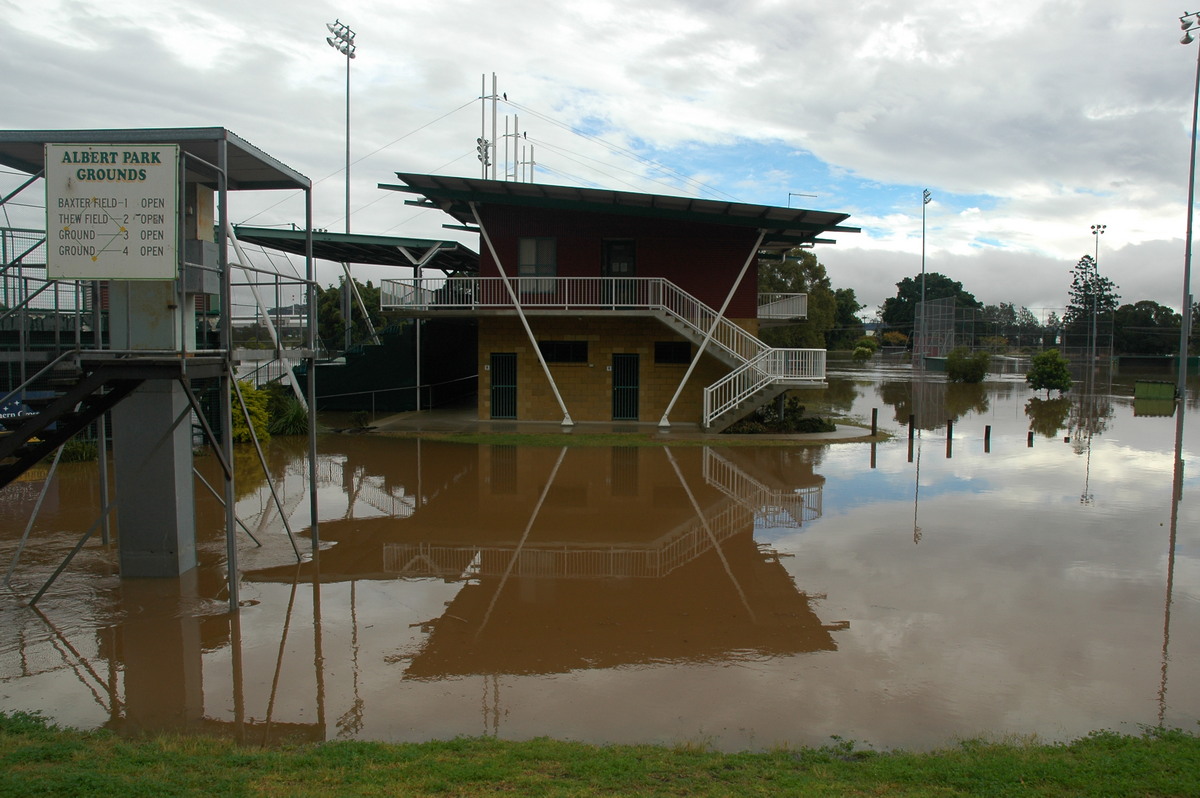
377 250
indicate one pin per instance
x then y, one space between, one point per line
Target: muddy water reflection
738 596
584 558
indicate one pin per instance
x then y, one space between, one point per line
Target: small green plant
963 365
894 338
1049 371
862 353
360 419
289 417
79 450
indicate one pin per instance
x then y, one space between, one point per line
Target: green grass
37 758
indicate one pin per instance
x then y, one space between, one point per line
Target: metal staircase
760 373
83 390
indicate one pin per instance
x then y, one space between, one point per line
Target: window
672 352
564 351
537 257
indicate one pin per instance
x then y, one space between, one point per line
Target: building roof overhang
248 167
783 228
356 248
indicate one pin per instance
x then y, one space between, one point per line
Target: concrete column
160 648
155 491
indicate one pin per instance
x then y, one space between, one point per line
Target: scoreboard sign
112 211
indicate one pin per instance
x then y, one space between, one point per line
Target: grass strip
40 759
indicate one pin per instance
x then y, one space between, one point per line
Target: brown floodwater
1036 572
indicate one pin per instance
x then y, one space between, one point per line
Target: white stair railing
772 367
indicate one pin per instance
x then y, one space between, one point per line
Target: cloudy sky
1029 121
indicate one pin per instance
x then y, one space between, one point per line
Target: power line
616 148
412 132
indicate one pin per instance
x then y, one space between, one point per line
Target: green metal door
625 387
504 385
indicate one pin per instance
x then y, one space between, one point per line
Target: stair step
25 450
39 402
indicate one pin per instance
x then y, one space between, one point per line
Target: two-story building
597 305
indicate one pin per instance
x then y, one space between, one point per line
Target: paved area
464 420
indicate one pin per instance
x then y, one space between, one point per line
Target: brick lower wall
586 388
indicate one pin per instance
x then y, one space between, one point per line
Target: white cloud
1029 125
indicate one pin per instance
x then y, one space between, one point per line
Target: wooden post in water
987 439
874 420
1029 440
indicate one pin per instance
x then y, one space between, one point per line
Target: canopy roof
783 228
248 167
368 249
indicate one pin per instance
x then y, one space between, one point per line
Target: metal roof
369 249
249 168
784 228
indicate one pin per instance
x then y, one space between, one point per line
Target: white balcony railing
782 307
760 365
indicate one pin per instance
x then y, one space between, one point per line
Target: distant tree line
1142 327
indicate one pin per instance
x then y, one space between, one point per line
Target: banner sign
112 211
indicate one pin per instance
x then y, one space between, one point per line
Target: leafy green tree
963 365
899 312
847 327
1027 328
1091 296
331 322
1049 371
799 273
1051 329
1146 328
1194 335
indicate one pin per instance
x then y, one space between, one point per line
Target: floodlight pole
1097 231
925 199
342 40
1187 23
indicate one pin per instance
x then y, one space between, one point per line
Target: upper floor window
537 257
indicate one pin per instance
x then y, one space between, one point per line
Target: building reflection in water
595 558
554 560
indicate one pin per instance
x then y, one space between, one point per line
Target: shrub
963 365
995 343
256 404
868 342
767 420
862 353
289 418
1049 371
893 338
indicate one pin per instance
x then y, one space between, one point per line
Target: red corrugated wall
702 259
